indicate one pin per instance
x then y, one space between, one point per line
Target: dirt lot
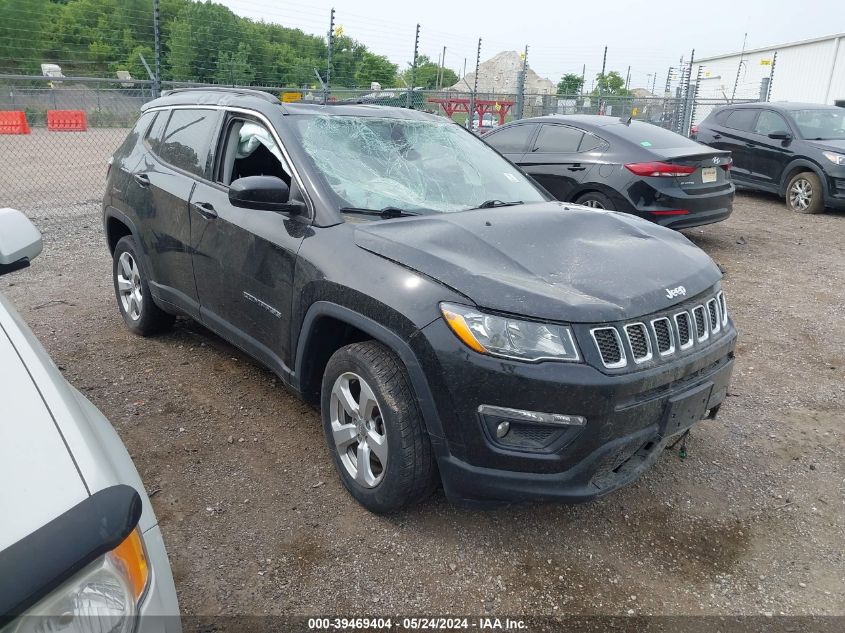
256 521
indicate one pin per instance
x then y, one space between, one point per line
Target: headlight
102 597
510 338
833 157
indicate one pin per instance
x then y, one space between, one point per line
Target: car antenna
627 119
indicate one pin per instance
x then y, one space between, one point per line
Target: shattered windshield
418 166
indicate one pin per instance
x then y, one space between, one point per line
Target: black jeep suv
796 150
453 323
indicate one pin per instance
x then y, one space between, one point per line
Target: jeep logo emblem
680 291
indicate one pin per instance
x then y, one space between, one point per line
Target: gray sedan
78 536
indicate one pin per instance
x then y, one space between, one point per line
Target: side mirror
20 241
780 135
267 193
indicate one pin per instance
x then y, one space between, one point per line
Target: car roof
585 120
781 105
263 101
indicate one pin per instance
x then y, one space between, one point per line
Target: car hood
548 260
56 448
38 479
833 145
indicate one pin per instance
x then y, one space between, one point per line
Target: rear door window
741 119
511 140
187 140
769 122
558 139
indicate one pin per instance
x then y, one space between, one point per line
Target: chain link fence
60 175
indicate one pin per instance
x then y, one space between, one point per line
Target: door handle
576 167
717 136
751 144
142 179
206 210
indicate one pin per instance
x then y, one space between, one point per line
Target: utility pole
441 76
654 82
739 66
602 80
628 78
157 53
583 77
409 103
471 112
520 86
327 84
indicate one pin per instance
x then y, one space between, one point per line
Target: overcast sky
561 35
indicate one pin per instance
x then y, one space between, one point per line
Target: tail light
693 131
659 169
727 166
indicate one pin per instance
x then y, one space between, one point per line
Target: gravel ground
257 522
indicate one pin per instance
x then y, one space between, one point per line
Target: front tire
596 200
374 429
137 307
804 193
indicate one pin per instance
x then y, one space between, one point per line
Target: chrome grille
610 347
701 331
684 330
663 335
639 342
669 334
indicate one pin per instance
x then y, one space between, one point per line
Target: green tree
234 68
610 84
375 68
570 84
427 72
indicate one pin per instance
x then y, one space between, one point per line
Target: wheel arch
598 187
798 166
117 226
313 352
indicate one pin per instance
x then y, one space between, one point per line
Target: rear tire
596 200
804 193
374 429
137 307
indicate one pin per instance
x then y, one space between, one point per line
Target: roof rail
244 91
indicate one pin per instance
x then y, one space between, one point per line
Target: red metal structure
451 105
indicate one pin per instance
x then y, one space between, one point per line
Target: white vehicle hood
38 479
56 448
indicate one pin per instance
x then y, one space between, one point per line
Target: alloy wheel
801 194
358 430
595 204
129 285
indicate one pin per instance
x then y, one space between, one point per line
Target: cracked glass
423 166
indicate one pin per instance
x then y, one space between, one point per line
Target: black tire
411 472
597 200
804 193
149 319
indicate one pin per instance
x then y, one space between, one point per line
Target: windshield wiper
489 204
386 212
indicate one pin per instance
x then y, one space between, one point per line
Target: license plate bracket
685 409
708 174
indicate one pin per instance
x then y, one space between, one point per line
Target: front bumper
628 419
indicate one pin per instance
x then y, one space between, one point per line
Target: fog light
503 429
531 416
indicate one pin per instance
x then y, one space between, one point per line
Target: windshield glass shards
415 165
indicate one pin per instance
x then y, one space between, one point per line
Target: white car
78 536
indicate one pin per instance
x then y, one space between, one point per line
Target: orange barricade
66 121
13 122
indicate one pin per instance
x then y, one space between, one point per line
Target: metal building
811 71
